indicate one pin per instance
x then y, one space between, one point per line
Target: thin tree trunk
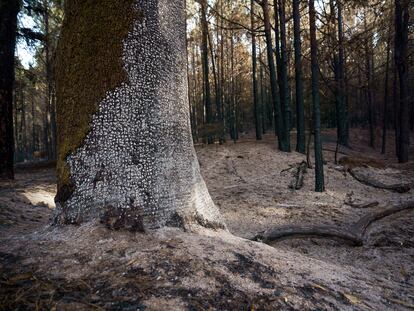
385 112
233 117
23 127
284 82
8 25
279 122
50 102
222 94
257 118
319 174
264 112
402 17
205 65
33 124
369 95
300 110
216 87
342 118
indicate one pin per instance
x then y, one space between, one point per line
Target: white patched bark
137 167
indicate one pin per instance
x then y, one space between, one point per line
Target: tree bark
125 152
319 175
8 25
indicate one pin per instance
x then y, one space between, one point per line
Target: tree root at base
353 235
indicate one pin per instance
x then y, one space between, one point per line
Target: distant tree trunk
396 108
50 102
300 110
264 112
319 175
126 156
342 118
233 121
15 133
222 71
8 25
279 122
23 128
369 95
46 130
205 65
257 118
402 17
284 81
385 111
33 125
216 86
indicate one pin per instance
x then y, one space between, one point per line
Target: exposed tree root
298 176
363 204
367 180
353 234
321 231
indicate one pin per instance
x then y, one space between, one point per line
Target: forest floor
91 268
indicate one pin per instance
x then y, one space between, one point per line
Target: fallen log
369 181
353 235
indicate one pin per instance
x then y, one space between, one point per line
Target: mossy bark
89 63
125 152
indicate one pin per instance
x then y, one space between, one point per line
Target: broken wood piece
298 176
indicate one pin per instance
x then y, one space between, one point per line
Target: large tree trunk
8 25
402 17
125 153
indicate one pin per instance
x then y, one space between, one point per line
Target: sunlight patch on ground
41 197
